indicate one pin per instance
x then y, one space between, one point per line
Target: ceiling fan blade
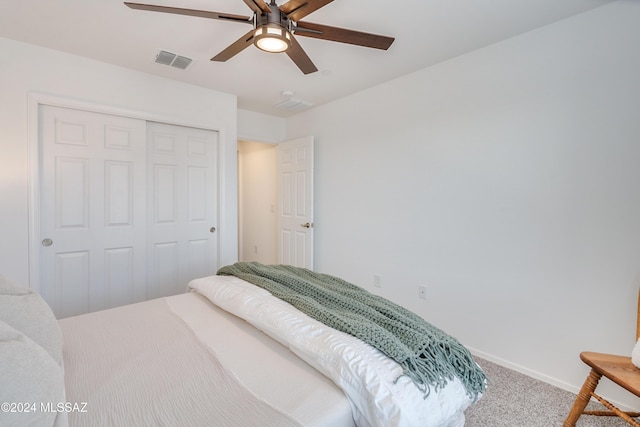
258 6
190 12
325 32
298 9
235 48
300 57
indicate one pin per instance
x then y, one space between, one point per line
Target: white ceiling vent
173 60
293 104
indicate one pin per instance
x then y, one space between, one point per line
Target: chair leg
613 410
583 398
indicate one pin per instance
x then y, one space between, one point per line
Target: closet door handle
47 242
307 225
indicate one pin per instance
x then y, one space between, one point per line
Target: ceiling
426 32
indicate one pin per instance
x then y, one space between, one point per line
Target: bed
225 353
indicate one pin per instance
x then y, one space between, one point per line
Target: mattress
182 361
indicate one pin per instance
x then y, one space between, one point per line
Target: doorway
257 200
275 192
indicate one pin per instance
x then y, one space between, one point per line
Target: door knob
307 225
212 230
47 242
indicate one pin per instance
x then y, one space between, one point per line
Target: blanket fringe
430 371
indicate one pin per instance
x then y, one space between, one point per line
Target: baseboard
539 376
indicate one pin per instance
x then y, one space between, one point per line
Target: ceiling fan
274 27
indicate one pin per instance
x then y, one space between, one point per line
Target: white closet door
181 207
92 210
128 209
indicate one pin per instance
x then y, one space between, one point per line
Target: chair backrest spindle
638 319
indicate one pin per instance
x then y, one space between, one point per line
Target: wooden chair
618 369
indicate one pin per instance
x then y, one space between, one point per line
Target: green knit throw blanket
427 355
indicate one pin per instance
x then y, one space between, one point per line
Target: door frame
35 100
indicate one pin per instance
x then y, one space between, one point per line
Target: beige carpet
516 400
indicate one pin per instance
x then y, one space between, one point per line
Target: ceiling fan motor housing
272 30
276 17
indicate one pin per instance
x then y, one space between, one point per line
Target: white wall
258 181
260 127
506 181
27 69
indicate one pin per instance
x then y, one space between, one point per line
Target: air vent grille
181 62
177 61
293 104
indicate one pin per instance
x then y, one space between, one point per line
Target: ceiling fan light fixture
272 38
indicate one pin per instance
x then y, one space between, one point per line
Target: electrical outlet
422 292
377 281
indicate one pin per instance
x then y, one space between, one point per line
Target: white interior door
92 210
295 202
182 207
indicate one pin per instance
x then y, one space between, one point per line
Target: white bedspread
365 374
142 365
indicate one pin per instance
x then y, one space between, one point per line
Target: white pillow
28 374
26 311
